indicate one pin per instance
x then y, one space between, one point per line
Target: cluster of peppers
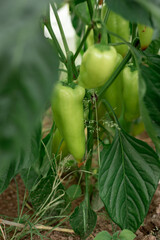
98 63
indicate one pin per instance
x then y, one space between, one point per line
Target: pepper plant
98 107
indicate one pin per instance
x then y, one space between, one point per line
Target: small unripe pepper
145 35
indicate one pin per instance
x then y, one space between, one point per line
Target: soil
149 230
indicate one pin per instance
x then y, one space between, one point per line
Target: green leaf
29 67
30 178
104 235
83 220
41 164
149 92
115 235
139 11
153 48
59 3
153 7
45 160
79 16
24 160
21 22
79 1
74 192
77 23
96 202
128 177
149 69
81 10
48 196
127 235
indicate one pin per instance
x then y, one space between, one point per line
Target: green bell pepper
98 63
67 107
119 26
130 93
114 94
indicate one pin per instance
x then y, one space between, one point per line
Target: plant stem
62 57
69 66
89 154
106 16
75 72
18 203
60 28
70 63
54 39
82 42
115 74
134 28
97 131
90 8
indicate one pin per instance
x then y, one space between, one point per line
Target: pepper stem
47 23
82 42
60 28
90 7
69 66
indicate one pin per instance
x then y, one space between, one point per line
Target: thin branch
60 28
55 41
3 234
90 8
37 226
82 42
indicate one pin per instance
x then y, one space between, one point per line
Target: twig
37 226
3 235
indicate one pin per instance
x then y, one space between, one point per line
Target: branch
37 226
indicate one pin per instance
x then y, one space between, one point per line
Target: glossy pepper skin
67 107
59 145
130 93
119 26
98 63
114 93
145 35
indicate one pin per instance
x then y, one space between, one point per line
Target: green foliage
149 93
124 235
139 11
128 177
129 168
40 164
28 67
82 12
127 235
74 192
77 22
83 220
48 195
104 235
24 158
153 47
